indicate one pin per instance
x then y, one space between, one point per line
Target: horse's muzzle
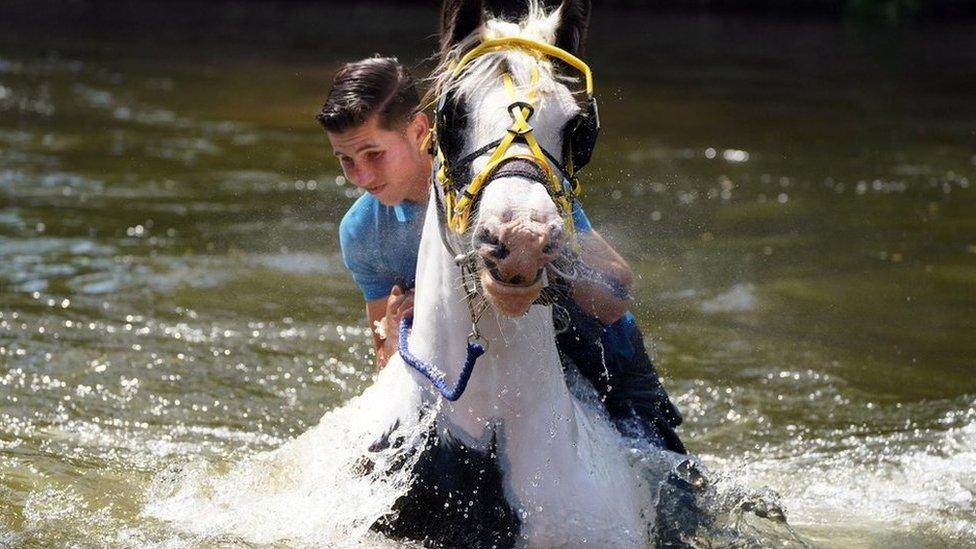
513 257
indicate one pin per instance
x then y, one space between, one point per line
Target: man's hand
383 316
398 305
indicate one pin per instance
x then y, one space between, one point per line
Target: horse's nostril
499 252
486 237
554 243
495 248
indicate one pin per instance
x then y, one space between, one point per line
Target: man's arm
595 298
375 312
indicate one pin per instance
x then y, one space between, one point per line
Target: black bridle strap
465 161
441 217
520 167
462 164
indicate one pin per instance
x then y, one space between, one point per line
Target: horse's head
506 124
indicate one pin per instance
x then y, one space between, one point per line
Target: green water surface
796 199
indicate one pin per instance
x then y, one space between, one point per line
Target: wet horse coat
511 458
518 458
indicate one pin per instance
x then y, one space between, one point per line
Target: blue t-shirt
380 245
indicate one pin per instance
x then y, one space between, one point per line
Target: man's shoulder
360 220
358 235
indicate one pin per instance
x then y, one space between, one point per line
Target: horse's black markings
500 252
456 499
383 442
365 464
485 236
496 248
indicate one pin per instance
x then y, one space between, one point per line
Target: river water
796 199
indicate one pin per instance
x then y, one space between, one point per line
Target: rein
431 372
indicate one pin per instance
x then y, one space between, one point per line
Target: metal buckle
475 337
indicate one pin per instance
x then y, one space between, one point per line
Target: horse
514 455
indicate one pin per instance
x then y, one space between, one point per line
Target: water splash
319 486
872 484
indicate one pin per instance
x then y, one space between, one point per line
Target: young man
373 121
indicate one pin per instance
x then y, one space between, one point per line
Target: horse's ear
574 19
459 18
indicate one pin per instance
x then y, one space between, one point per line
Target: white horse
517 459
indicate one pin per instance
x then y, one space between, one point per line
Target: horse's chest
456 500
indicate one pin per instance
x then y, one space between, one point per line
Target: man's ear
418 128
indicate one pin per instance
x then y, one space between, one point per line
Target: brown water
795 197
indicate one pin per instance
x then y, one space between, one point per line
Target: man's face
389 164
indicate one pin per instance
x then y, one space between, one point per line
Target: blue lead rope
430 371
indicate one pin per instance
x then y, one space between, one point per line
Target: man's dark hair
374 85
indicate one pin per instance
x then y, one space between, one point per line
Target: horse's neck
549 450
520 374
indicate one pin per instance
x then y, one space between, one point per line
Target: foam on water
321 488
314 488
877 485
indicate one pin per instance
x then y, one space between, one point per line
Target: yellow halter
458 206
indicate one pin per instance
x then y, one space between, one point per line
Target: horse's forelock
538 25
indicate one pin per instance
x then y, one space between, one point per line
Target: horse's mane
486 69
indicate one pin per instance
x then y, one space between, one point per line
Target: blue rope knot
431 372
